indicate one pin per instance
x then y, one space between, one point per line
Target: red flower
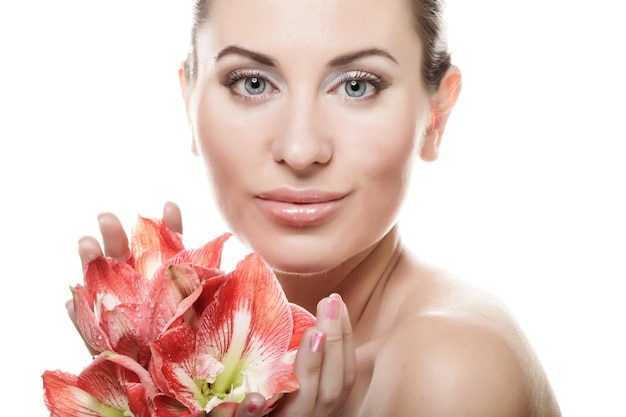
123 307
245 342
177 336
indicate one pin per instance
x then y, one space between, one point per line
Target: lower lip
299 214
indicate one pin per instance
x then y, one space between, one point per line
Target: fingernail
332 307
253 407
317 341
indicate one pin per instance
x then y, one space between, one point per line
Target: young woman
309 116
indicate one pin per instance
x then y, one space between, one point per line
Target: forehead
312 25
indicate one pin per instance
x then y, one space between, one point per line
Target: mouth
300 208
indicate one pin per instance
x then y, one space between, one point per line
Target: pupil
355 88
255 85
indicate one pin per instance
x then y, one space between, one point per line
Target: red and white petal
138 401
64 399
87 322
165 406
127 330
100 390
106 276
249 328
208 256
151 245
142 374
178 371
302 320
172 284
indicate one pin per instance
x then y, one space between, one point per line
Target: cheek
388 151
217 136
387 143
229 142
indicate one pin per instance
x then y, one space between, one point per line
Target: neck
356 280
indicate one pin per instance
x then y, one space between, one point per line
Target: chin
296 269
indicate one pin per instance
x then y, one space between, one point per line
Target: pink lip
299 208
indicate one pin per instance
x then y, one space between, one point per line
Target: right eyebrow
255 56
354 56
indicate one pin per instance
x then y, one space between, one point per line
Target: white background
527 198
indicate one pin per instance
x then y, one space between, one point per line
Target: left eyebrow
353 56
236 50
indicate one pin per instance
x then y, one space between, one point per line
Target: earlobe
430 146
441 106
182 80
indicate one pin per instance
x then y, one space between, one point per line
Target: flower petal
100 390
87 323
142 374
152 243
125 328
106 276
208 256
302 320
178 371
172 284
249 329
165 406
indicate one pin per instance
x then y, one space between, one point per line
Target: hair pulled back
429 24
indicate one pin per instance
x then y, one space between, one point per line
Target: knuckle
328 399
349 380
334 338
311 369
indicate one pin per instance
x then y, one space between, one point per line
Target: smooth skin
271 107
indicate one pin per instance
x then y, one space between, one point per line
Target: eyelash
232 78
378 83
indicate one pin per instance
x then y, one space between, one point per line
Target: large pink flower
245 341
123 306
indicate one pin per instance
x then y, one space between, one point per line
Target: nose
301 142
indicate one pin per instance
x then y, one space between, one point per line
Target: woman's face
308 115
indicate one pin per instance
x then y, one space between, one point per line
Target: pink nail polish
317 341
332 307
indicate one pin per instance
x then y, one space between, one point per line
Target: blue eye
250 84
359 85
356 88
254 85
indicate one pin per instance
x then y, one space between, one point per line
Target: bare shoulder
452 349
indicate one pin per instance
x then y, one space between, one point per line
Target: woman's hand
115 239
325 365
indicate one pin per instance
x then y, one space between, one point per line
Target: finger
172 217
69 305
113 237
252 405
307 367
349 352
88 248
331 318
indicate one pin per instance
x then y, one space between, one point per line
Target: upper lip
308 196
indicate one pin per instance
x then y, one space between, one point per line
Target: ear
184 89
440 107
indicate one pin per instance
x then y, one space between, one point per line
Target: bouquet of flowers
173 335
